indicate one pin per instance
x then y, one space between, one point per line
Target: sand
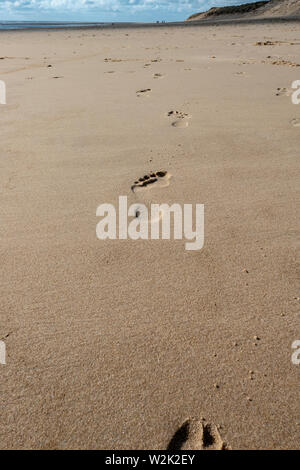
121 344
270 9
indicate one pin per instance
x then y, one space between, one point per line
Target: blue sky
105 10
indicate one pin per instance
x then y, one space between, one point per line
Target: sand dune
272 8
280 8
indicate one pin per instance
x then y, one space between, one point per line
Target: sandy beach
116 344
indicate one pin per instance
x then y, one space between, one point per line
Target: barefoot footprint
157 75
144 92
158 178
143 205
295 122
283 91
195 434
180 118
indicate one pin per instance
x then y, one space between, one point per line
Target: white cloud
118 10
110 4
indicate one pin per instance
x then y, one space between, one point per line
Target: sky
105 10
